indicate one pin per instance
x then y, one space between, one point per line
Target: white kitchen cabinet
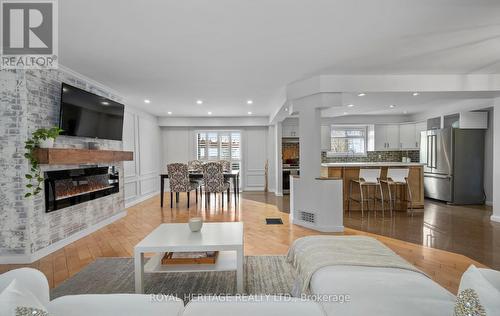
380 142
326 135
407 139
392 136
419 128
473 120
290 130
386 137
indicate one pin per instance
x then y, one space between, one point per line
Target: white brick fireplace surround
30 100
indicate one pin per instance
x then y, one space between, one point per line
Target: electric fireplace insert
65 188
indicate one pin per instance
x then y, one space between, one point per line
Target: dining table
234 175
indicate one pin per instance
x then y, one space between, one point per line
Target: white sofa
371 291
144 305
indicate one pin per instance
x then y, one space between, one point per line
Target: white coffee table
227 238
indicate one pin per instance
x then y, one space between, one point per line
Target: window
348 140
219 145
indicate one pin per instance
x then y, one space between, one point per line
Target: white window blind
219 145
348 140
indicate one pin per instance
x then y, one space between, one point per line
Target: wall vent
307 217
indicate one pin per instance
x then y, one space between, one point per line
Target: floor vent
307 217
274 221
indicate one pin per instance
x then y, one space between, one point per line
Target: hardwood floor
119 238
465 230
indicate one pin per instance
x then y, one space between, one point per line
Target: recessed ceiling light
169 113
249 113
105 103
345 113
147 101
350 105
286 109
405 112
361 94
249 101
209 113
415 94
392 106
199 102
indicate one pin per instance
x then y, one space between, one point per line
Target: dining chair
196 166
178 176
213 179
226 165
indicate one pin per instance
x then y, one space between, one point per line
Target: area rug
263 275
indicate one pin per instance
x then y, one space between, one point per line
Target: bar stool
367 178
397 177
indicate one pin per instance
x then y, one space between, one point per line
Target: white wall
271 145
496 162
179 145
141 135
488 159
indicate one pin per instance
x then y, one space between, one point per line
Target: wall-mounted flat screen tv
85 114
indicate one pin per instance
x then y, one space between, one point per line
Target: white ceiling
227 51
407 104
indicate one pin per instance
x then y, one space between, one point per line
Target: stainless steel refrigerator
453 161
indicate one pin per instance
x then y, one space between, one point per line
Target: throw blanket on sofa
309 254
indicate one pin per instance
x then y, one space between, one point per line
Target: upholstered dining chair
178 177
195 165
226 165
213 180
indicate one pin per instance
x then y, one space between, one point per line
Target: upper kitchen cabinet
291 129
419 128
387 137
407 139
326 138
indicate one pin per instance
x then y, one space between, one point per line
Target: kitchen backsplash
375 156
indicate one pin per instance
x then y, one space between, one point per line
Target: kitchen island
350 170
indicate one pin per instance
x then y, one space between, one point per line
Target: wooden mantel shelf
72 156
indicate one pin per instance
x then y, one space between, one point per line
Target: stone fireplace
28 229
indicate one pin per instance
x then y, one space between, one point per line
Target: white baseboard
495 218
253 189
323 229
141 199
26 259
15 259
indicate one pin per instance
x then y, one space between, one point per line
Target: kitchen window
348 141
219 145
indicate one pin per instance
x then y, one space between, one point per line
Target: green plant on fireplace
34 176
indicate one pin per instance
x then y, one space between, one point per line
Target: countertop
372 164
